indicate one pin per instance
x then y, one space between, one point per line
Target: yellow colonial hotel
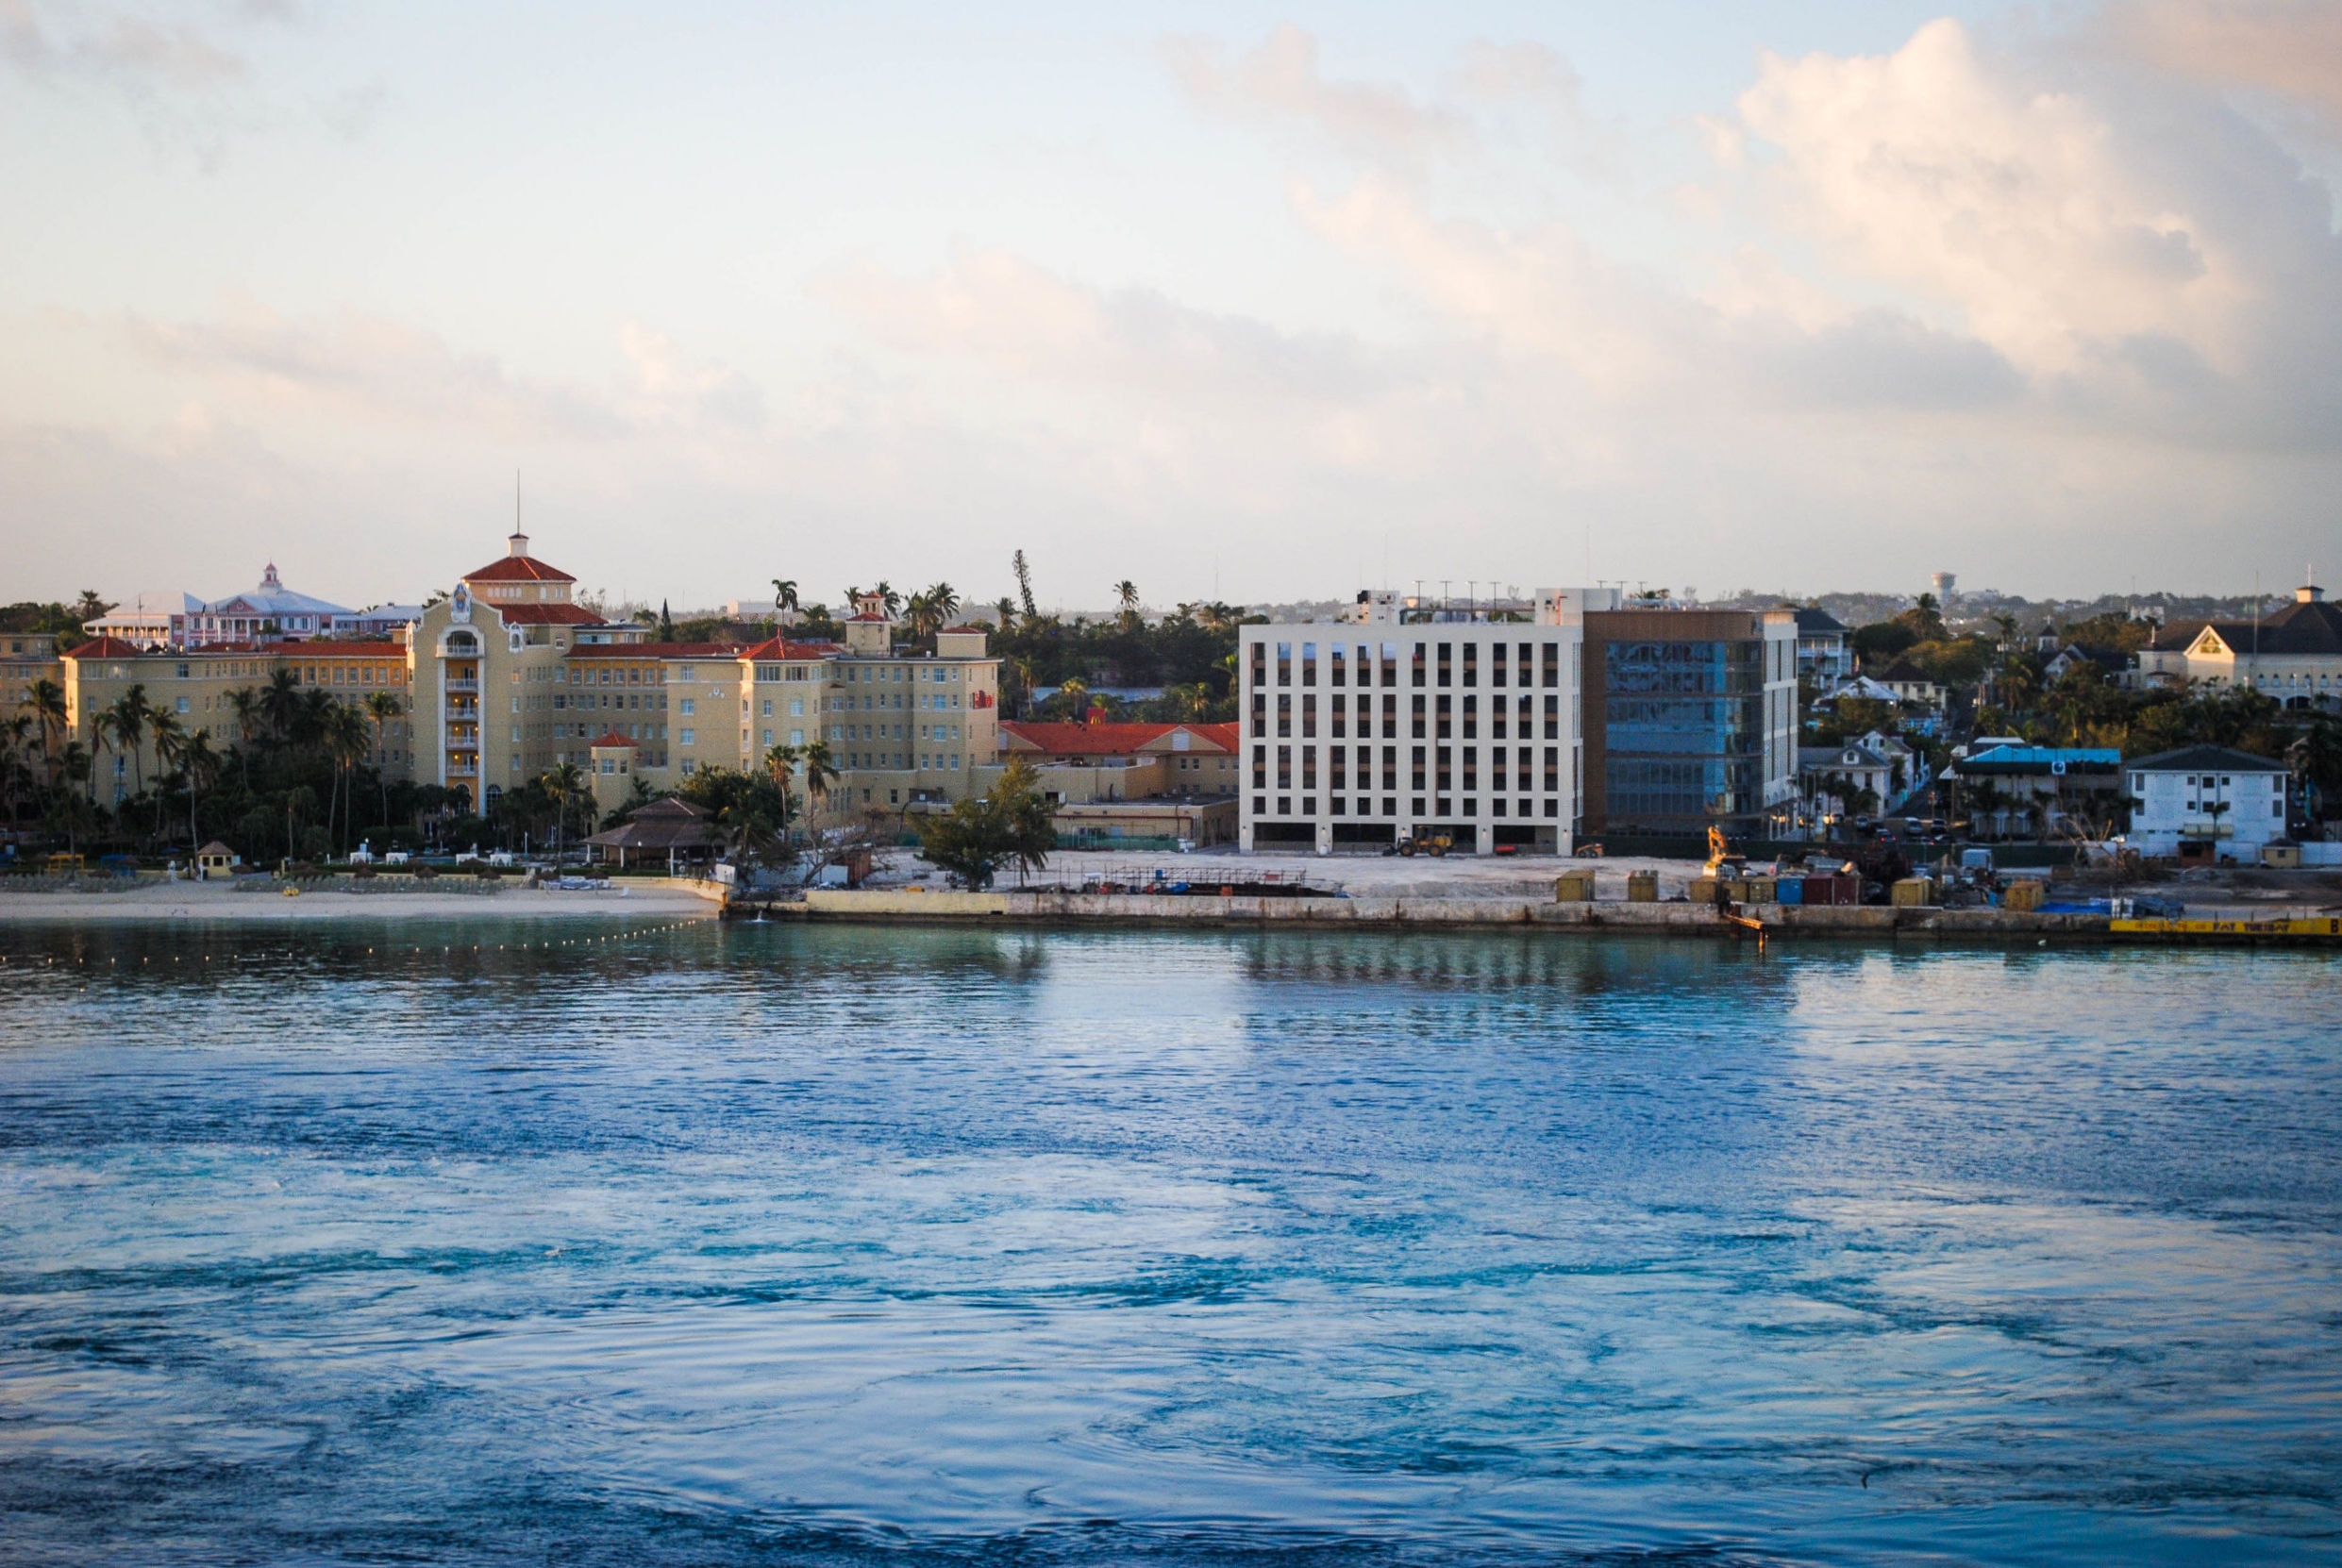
507 677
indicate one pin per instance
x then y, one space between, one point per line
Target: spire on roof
516 543
268 576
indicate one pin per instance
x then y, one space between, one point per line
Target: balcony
463 712
456 685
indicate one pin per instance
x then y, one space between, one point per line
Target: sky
1238 303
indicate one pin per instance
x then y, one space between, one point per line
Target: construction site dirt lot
2217 893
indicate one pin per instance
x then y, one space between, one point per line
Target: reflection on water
735 1244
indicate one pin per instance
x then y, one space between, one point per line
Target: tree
781 763
666 623
128 721
945 600
1024 586
15 735
784 593
383 707
1006 606
567 783
1127 594
347 740
44 700
279 704
820 770
170 741
71 813
245 704
299 802
751 808
1008 824
2316 760
90 606
199 767
889 600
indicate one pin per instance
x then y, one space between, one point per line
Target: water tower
1943 584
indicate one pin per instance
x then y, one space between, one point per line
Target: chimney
516 543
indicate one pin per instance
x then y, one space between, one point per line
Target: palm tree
383 707
784 593
170 738
347 740
782 762
1127 593
14 734
199 765
820 770
567 784
1007 607
945 601
279 704
46 703
246 702
74 766
127 720
889 600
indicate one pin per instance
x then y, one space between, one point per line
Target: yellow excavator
1721 861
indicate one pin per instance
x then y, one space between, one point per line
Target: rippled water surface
772 1245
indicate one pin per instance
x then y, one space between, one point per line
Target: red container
1833 890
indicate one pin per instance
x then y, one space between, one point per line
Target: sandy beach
218 901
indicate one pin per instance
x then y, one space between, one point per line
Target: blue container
1789 890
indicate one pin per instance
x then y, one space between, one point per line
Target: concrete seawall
1660 919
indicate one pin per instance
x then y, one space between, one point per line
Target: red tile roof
656 650
338 650
107 647
1109 740
780 647
614 739
518 569
544 615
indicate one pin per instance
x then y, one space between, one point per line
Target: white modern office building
1415 721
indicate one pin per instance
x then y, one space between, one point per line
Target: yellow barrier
2322 926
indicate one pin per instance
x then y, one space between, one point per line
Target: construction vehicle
1721 861
1438 845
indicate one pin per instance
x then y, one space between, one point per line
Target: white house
2207 803
1832 779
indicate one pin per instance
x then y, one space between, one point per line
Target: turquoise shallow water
774 1244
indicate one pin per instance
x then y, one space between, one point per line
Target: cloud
1280 81
1928 169
675 392
2289 47
175 65
372 366
350 362
1022 318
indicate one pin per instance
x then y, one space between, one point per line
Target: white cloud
1024 319
2289 47
2018 205
1281 79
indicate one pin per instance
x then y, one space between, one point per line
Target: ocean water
769 1245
